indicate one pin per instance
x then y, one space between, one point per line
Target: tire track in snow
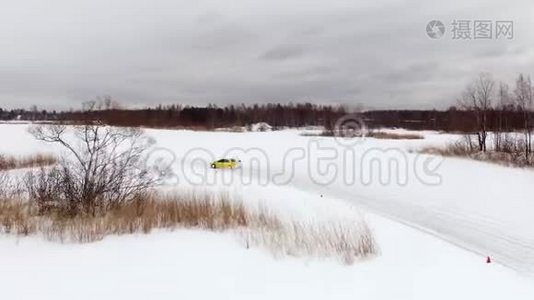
472 232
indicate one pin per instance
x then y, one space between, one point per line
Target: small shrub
104 168
9 187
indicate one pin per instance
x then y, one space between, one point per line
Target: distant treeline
451 120
277 115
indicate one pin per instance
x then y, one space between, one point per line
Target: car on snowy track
225 163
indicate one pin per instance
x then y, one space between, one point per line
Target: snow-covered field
435 221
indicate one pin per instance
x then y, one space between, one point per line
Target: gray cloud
143 52
283 52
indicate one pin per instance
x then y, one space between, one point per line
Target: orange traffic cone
488 260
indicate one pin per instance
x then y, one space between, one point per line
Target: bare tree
505 101
478 97
524 100
103 166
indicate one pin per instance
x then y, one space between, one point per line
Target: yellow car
225 164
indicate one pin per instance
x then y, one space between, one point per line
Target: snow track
480 207
477 233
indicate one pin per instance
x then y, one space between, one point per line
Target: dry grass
514 158
257 227
459 149
372 134
394 135
16 217
141 216
28 161
231 129
347 242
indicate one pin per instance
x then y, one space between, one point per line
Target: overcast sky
59 53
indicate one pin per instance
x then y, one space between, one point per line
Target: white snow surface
434 235
479 206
